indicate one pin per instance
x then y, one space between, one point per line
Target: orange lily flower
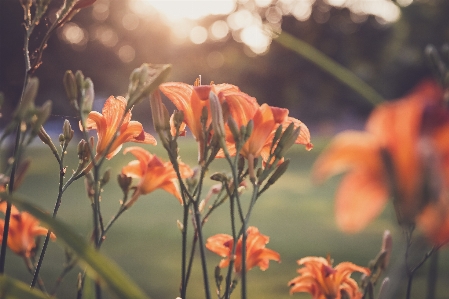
266 120
191 99
153 174
257 254
403 148
323 281
23 229
107 124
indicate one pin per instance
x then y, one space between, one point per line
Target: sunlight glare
187 9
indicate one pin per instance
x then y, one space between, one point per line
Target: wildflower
402 153
323 281
257 254
153 174
107 124
191 100
23 229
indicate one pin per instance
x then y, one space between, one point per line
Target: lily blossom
191 100
257 254
23 229
153 174
107 124
323 281
266 119
402 153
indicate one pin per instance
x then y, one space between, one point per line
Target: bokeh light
198 35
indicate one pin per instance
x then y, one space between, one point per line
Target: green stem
197 217
15 162
330 66
432 276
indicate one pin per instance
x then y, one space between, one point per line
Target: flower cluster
192 99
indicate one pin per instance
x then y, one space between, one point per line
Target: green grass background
145 241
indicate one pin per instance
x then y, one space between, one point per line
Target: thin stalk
197 217
15 162
184 277
328 65
432 276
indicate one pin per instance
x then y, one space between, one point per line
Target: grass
145 241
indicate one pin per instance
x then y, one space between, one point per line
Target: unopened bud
124 182
217 119
161 119
43 135
106 177
280 170
218 176
61 139
28 98
232 124
286 141
88 96
67 131
249 129
71 88
145 80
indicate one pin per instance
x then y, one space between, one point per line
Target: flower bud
43 135
67 131
249 129
144 80
280 170
71 88
286 141
28 98
217 119
106 177
61 139
232 124
218 176
124 182
88 96
161 118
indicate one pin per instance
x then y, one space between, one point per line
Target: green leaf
14 289
117 281
330 66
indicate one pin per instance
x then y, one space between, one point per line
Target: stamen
197 82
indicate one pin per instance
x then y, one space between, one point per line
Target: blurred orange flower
23 229
257 254
403 152
107 124
323 281
153 174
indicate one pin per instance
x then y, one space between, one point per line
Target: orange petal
360 198
348 150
